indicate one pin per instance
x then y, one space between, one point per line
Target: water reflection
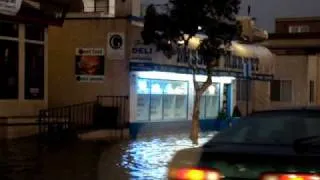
147 158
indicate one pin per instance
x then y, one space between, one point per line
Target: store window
9 59
209 104
143 100
299 29
281 90
8 29
161 100
34 62
34 71
34 32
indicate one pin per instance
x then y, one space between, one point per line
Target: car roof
293 108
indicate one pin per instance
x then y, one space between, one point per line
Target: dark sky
267 10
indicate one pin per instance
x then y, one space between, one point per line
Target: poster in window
34 71
8 69
89 65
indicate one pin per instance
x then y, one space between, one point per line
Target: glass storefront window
9 58
164 100
156 100
34 71
175 100
143 99
209 105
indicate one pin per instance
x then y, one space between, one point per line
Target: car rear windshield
273 127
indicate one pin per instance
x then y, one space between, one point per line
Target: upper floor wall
297 25
267 11
100 8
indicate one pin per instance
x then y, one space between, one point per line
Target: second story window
299 29
95 6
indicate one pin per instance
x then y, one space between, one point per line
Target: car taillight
298 176
193 174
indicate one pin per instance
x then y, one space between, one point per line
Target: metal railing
60 120
121 103
107 112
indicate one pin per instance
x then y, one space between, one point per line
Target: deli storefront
161 89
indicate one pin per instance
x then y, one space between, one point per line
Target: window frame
299 29
240 87
281 99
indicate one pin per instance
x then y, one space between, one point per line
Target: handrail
84 116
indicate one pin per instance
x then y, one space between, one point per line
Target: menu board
143 104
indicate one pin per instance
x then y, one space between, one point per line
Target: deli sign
142 52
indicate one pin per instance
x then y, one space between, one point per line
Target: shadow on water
144 158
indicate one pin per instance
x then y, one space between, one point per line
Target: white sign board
10 7
116 46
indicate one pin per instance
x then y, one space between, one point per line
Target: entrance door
227 99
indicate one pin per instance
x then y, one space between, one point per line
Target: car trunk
247 161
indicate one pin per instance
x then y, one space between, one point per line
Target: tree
176 23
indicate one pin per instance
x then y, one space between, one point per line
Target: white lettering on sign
90 51
86 78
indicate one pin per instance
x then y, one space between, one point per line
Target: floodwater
144 158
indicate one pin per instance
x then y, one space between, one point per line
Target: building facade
23 63
296 47
160 89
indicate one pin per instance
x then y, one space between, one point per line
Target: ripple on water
147 158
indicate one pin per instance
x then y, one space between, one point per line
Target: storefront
161 89
23 55
24 62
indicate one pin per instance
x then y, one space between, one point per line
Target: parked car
282 144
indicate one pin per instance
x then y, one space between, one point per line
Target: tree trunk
195 118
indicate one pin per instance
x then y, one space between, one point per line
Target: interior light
212 89
182 77
142 85
156 89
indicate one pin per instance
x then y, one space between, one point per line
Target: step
104 134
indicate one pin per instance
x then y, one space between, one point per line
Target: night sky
267 10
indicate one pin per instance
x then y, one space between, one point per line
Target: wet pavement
144 158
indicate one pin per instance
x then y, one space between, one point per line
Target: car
280 144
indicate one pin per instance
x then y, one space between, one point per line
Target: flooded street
144 158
